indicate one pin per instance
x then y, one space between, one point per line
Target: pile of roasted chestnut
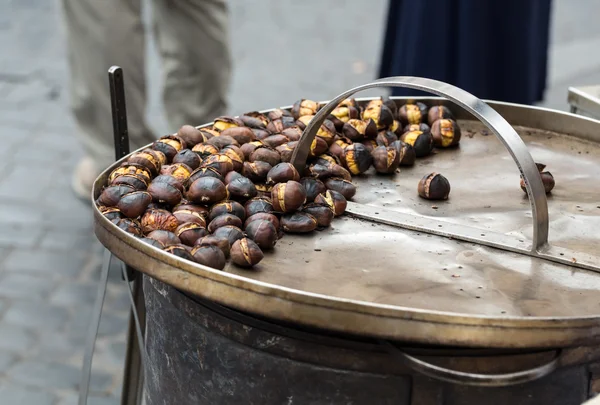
228 190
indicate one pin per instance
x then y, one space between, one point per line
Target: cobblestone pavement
49 259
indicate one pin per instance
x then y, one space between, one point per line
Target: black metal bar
119 111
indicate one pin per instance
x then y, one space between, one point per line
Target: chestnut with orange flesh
231 232
406 153
190 232
191 135
265 154
133 204
223 122
298 222
189 158
223 220
281 173
246 253
204 150
250 147
220 242
327 132
184 215
158 155
207 190
304 107
412 113
445 133
342 114
262 232
286 151
209 133
241 189
179 251
313 187
220 162
256 171
288 197
169 145
333 199
358 159
164 193
131 169
137 182
111 195
155 219
256 205
210 256
344 187
358 130
263 216
321 212
378 112
205 172
318 147
180 171
416 127
370 144
338 146
236 156
241 135
147 159
422 142
434 186
129 225
438 112
385 160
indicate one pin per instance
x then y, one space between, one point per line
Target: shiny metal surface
494 121
372 279
585 100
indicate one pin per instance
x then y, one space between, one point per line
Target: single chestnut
221 141
129 225
187 157
241 189
262 232
168 179
163 192
338 146
327 158
111 212
207 190
158 155
133 204
209 133
386 160
278 113
281 173
416 127
205 172
276 140
236 155
223 122
327 132
317 147
185 215
152 242
260 134
257 205
391 104
241 135
313 187
111 195
256 171
344 187
263 190
318 170
378 112
286 151
333 199
231 232
265 154
370 144
220 162
250 147
210 256
169 145
547 179
254 120
186 205
292 133
191 135
342 114
321 212
358 130
179 251
127 168
190 232
406 153
422 142
288 196
227 207
438 112
304 107
386 138
358 158
412 113
246 253
154 219
219 241
204 150
298 222
222 220
434 186
232 176
445 133
180 171
147 159
263 216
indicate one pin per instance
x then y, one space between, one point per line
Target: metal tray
471 271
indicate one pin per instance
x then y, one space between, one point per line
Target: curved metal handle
486 114
474 379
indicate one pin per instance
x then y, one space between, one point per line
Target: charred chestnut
281 173
265 154
358 130
190 232
434 186
260 134
205 172
370 144
406 153
246 253
169 145
321 212
254 119
210 256
111 212
385 160
134 169
187 157
412 113
218 241
220 162
241 189
288 197
438 112
298 222
358 159
241 135
231 232
154 219
256 205
547 179
333 199
129 225
256 171
186 205
263 216
278 113
304 107
344 187
274 141
180 171
236 155
167 238
179 251
317 147
152 242
133 204
378 112
386 138
222 220
164 192
422 142
111 195
221 141
222 123
445 133
227 207
204 150
158 155
286 151
149 160
191 136
338 146
262 232
232 176
416 127
342 114
292 133
207 190
250 147
313 187
186 215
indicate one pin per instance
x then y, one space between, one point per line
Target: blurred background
49 259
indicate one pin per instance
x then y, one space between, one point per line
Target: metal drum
488 297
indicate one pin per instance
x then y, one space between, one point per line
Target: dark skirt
494 49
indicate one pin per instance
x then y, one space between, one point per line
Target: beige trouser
192 40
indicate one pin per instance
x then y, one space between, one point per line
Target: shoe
83 178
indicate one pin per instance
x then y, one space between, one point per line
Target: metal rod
119 111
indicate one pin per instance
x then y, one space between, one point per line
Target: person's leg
193 41
101 34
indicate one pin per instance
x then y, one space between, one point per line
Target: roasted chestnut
227 207
209 133
231 232
222 123
257 205
358 130
438 112
191 136
263 216
111 195
378 112
186 205
292 133
317 147
274 141
327 158
391 104
333 199
236 155
111 212
210 256
416 127
265 154
304 107
278 113
186 215
129 225
131 169
547 179
190 232
205 172
313 187
169 145
137 182
158 155
241 135
250 147
434 186
187 157
406 153
165 192
327 133
220 242
246 253
412 113
147 159
262 232
256 171
220 162
133 204
370 144
179 251
254 120
180 171
287 150
173 181
422 142
207 190
396 128
298 222
281 173
222 220
152 242
386 138
263 190
321 212
344 187
357 158
338 146
221 141
204 150
154 219
445 133
260 134
241 189
342 114
288 197
385 160
232 176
